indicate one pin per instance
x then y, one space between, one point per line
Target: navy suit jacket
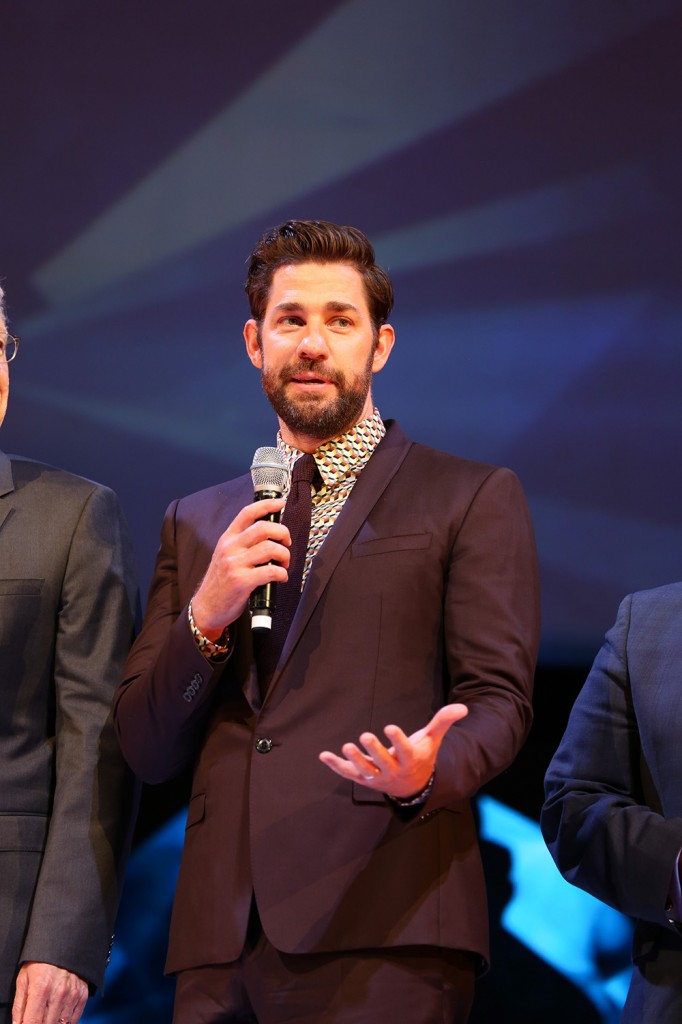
424 592
613 812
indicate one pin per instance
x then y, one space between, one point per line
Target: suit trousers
415 984
655 994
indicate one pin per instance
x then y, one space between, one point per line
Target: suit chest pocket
391 545
20 609
21 588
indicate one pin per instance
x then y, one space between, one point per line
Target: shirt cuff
212 650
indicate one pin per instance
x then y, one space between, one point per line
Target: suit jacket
613 812
424 592
67 597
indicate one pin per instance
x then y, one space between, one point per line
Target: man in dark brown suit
327 875
67 601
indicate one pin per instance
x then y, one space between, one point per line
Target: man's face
4 376
317 350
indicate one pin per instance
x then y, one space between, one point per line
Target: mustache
313 366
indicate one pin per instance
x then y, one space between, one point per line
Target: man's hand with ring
46 994
405 767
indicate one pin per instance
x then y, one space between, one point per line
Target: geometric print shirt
340 462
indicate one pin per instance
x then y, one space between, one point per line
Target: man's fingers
19 1000
266 551
375 751
443 719
246 535
436 729
250 514
338 765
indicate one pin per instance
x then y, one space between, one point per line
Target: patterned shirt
340 462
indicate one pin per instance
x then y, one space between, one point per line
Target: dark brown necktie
296 517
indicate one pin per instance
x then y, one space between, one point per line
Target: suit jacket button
264 745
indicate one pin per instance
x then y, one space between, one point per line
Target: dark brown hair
317 241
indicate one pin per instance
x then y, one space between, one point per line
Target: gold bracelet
211 649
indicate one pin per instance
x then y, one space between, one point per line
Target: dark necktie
296 517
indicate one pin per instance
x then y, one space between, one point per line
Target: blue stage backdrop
517 165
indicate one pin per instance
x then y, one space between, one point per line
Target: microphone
270 475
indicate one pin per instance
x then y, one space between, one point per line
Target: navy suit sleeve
599 829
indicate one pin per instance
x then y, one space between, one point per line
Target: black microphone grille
269 470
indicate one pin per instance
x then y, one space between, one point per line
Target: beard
314 415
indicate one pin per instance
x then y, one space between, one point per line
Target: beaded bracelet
420 798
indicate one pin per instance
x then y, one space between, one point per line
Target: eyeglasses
8 349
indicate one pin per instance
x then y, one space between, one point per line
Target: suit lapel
6 487
370 485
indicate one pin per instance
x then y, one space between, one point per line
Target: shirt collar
345 455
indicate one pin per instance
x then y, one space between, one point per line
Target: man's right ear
253 349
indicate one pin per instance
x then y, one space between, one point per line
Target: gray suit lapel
6 487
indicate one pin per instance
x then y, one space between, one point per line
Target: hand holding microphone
252 553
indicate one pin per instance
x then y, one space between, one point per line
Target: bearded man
331 869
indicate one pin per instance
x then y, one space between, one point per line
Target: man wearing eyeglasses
67 603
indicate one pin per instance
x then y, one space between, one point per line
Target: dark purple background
516 165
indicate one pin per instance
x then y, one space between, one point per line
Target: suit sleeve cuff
673 906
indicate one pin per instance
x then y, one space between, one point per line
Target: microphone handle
263 599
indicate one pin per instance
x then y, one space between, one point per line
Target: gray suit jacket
613 813
67 600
